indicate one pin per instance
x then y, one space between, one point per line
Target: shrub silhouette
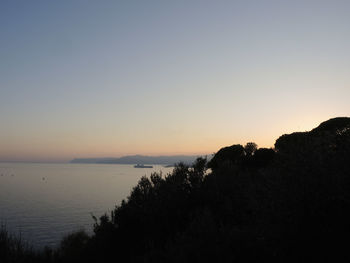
250 148
263 157
288 204
232 155
14 249
72 247
256 204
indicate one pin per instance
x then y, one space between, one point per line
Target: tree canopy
288 204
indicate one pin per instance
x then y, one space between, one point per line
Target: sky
83 78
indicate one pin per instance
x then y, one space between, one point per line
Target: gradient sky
110 78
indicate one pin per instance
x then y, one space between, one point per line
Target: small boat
142 166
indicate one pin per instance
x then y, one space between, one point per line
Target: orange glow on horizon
200 145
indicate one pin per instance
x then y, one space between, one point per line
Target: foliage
14 249
288 204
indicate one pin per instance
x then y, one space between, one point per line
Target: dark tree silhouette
263 157
230 155
291 204
250 148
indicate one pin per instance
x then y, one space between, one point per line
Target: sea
41 203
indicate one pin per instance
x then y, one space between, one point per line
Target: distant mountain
140 159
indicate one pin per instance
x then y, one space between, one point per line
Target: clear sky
111 78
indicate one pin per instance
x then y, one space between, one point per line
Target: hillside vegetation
247 204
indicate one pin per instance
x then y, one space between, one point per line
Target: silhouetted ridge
288 204
336 125
232 154
325 140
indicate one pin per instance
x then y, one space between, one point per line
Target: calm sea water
44 202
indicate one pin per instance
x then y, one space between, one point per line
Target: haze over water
44 202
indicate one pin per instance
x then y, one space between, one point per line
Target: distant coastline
169 160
